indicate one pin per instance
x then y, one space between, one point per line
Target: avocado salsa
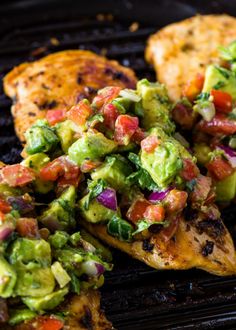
114 161
43 256
119 155
208 110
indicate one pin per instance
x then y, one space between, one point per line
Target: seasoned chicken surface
200 243
84 314
181 50
58 81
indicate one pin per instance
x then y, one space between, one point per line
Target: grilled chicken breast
200 243
59 81
84 313
181 50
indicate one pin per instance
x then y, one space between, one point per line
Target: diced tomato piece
201 190
106 95
27 227
2 217
61 168
80 113
193 87
184 116
137 210
89 165
168 232
154 213
55 116
190 171
220 124
219 168
17 175
125 127
150 143
223 101
46 323
175 201
110 114
138 136
52 170
4 206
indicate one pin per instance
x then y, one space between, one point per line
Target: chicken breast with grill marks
181 50
200 243
58 81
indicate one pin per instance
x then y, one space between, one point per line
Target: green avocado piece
59 239
47 302
217 77
60 274
202 153
40 138
7 191
65 133
114 170
156 105
226 189
31 259
165 162
96 212
20 315
7 278
60 213
90 146
36 162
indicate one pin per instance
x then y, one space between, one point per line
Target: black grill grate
134 296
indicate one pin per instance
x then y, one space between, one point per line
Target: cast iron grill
134 295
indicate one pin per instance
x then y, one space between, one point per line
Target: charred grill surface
134 296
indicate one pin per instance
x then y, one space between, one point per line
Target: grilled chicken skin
181 50
84 314
59 81
199 243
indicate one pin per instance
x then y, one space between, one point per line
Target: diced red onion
5 231
93 268
157 196
108 199
230 154
20 204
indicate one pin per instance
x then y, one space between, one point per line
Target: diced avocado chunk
59 239
226 189
7 278
202 153
60 274
47 302
40 138
65 133
114 171
96 212
31 260
217 77
156 105
70 258
90 146
20 315
60 213
166 160
7 191
36 162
